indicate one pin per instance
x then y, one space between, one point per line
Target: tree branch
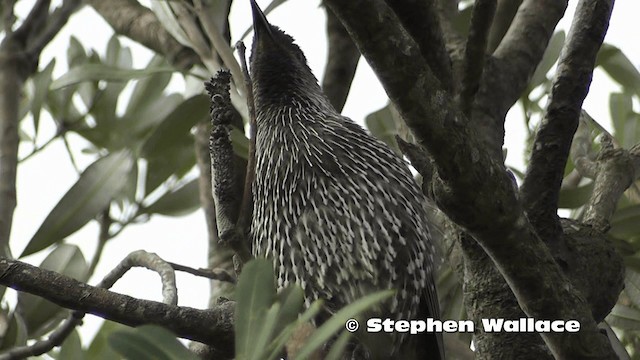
129 18
213 327
507 72
505 12
421 21
472 187
223 175
541 186
475 52
617 170
54 22
342 61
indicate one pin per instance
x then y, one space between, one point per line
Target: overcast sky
43 179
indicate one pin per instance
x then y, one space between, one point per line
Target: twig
151 261
541 186
423 24
54 22
213 274
213 326
616 170
247 201
505 12
223 174
218 256
342 61
40 347
105 222
475 52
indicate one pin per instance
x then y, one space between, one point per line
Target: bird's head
279 69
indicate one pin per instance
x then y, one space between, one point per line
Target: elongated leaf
632 286
626 222
170 22
72 347
41 83
37 312
180 202
91 194
265 332
177 125
16 332
619 67
255 293
549 58
624 317
149 342
150 88
99 348
337 321
381 125
278 344
339 346
574 198
95 72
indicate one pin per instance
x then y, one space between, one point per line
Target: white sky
43 179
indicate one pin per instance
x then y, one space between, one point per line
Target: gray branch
421 20
475 52
471 186
213 327
541 187
129 18
342 61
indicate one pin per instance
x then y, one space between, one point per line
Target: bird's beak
261 26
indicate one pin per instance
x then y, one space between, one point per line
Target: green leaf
339 346
265 332
179 202
95 72
117 55
150 88
176 160
381 125
575 197
619 67
278 343
549 58
337 321
144 119
37 312
632 286
149 342
16 332
624 317
75 52
623 118
255 293
626 222
99 348
177 124
72 348
90 195
41 83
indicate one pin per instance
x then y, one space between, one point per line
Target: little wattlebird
337 210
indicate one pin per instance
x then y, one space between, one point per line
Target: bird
337 211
